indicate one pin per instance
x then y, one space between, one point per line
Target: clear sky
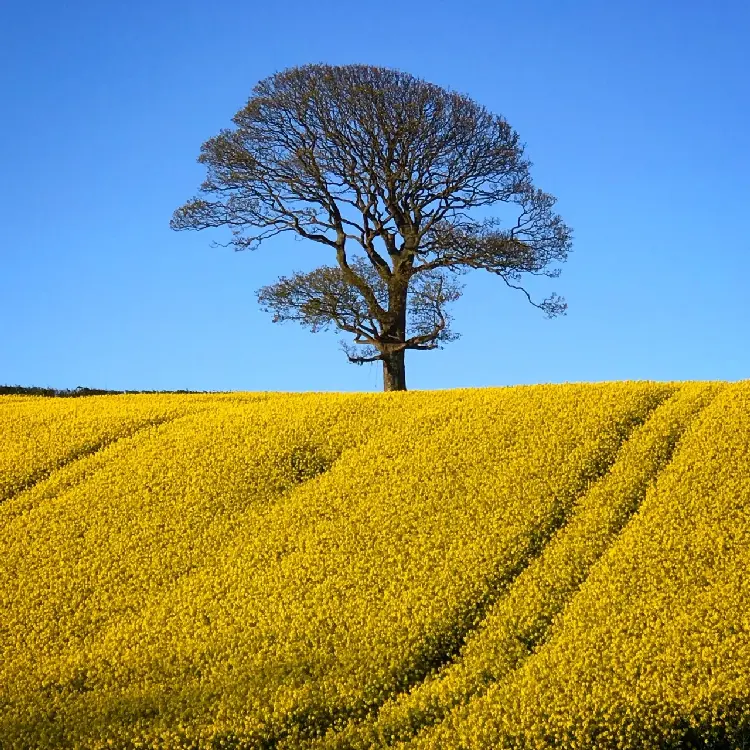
635 114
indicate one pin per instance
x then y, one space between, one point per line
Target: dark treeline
20 390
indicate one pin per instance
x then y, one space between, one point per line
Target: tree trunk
394 371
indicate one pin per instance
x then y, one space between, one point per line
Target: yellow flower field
527 567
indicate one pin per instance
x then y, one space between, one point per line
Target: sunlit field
526 567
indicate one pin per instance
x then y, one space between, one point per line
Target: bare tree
377 160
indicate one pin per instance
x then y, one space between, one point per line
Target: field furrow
520 620
654 650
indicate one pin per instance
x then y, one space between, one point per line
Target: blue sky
635 114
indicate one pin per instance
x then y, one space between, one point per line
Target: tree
377 160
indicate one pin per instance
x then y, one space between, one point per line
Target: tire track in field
83 452
305 725
537 634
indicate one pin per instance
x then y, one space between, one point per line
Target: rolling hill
525 567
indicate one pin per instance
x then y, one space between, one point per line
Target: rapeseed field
528 567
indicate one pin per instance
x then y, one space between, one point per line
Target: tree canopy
389 171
